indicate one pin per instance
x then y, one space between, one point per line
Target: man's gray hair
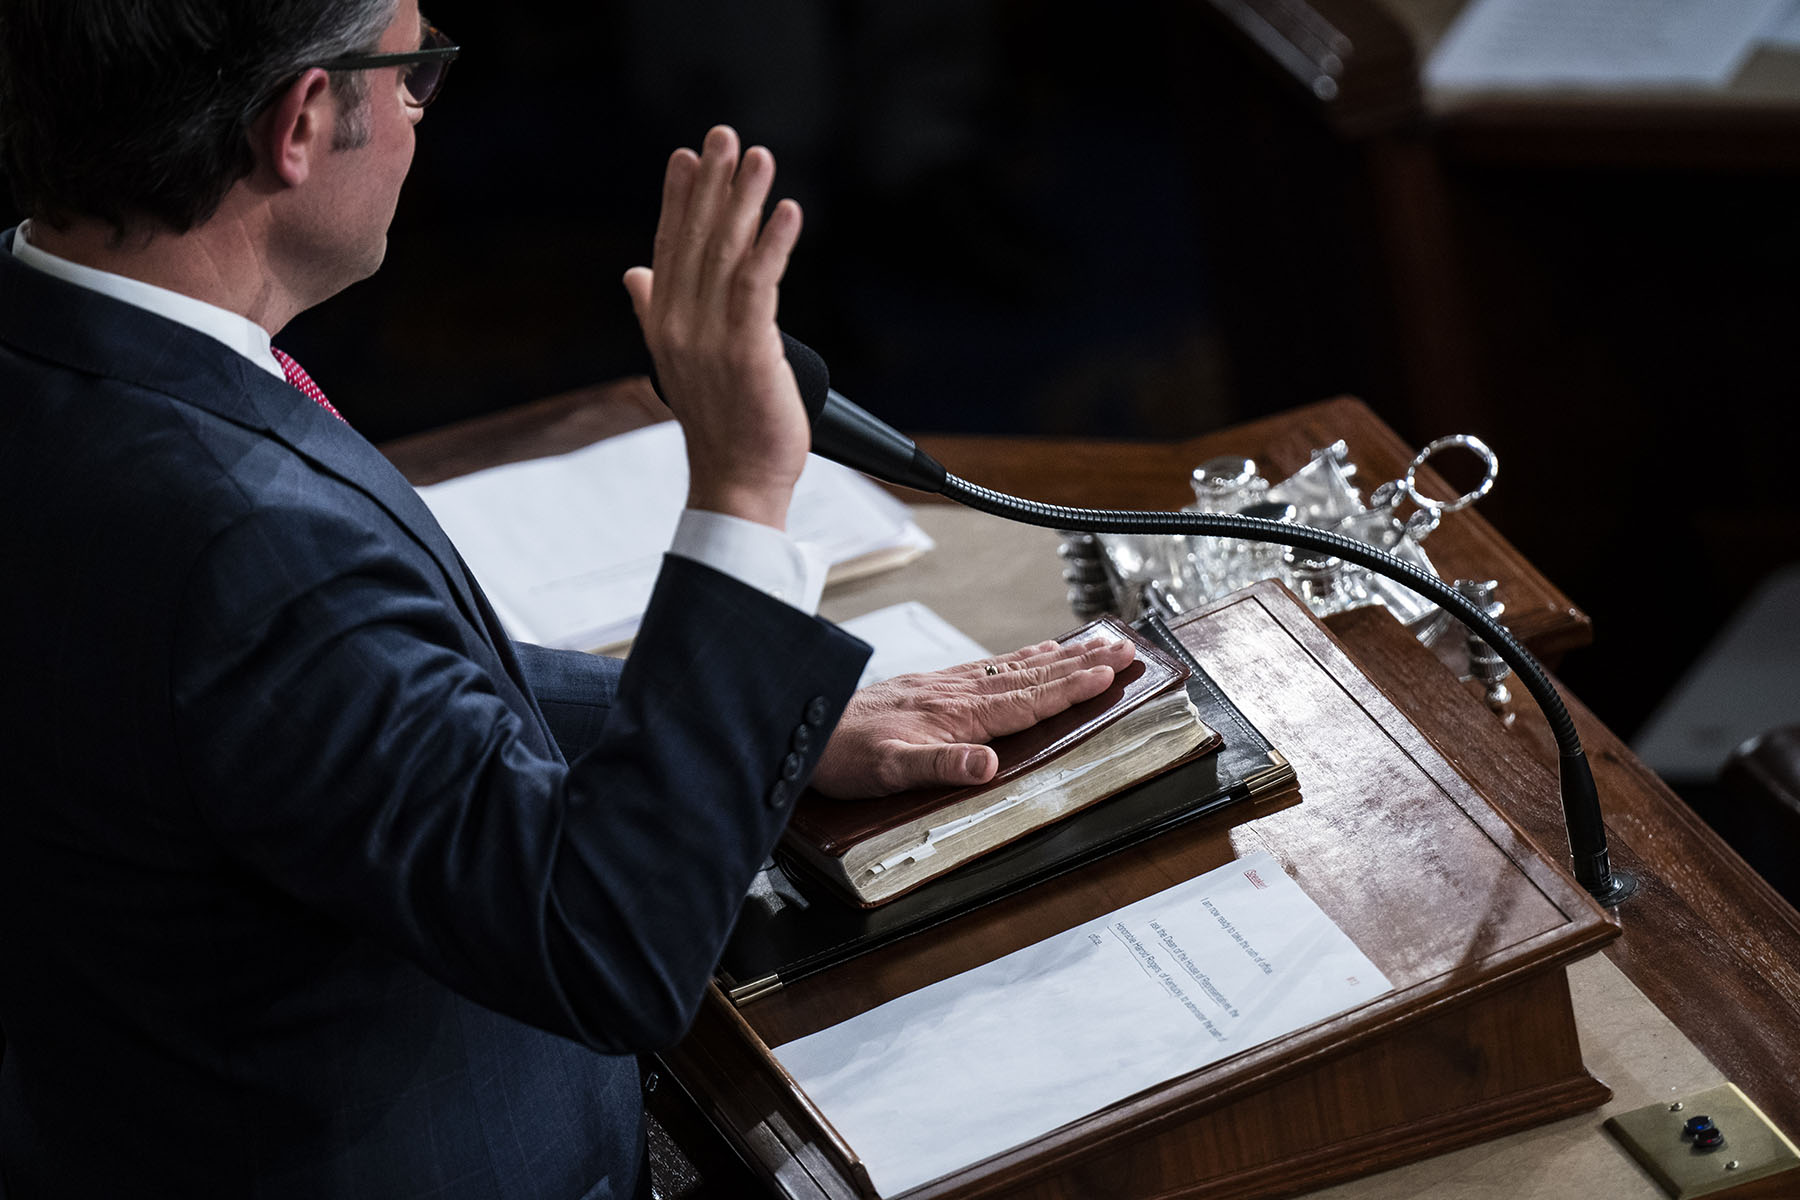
355 28
138 114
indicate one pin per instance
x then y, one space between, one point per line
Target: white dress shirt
763 557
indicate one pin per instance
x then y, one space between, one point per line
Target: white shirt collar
238 332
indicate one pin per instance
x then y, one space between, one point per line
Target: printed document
568 547
998 1056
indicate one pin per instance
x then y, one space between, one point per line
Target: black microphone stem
1580 801
853 437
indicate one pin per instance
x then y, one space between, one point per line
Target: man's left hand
930 729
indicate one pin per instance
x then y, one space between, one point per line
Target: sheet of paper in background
1783 30
567 548
910 637
1599 43
993 1058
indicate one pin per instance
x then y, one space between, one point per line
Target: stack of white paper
996 1057
567 548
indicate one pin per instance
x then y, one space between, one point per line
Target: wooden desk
1594 281
1711 944
1708 942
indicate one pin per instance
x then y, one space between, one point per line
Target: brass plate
1753 1149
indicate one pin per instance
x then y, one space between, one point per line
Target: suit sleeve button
817 710
803 737
780 794
791 767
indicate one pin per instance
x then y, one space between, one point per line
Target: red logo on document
1256 880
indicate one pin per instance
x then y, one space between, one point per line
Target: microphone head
845 433
810 373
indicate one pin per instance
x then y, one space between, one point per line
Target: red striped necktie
296 375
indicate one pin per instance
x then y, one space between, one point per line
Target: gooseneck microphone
851 436
846 433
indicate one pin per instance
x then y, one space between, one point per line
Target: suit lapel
333 448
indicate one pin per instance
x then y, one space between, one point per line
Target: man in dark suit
311 882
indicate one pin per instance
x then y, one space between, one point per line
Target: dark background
999 212
1099 220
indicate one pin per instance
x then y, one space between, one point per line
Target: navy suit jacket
311 883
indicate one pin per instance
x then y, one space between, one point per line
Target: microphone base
1614 890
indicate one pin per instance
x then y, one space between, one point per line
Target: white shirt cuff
763 557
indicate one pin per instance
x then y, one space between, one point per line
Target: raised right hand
707 306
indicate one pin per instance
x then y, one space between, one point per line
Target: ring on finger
990 668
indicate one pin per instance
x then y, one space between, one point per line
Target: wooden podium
1707 945
1453 902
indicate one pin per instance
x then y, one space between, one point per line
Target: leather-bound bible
793 925
876 850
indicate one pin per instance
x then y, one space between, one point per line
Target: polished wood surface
1705 939
1450 901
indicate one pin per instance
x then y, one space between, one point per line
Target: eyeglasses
427 65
